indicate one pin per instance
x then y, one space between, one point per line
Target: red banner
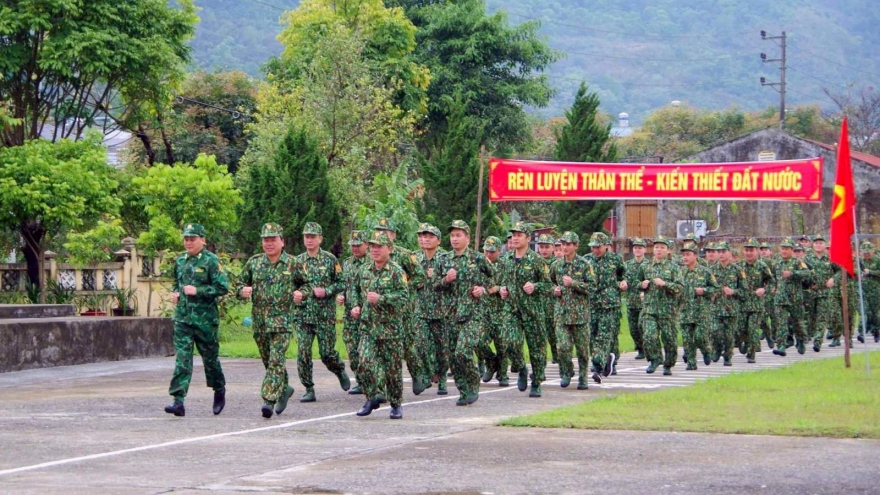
788 180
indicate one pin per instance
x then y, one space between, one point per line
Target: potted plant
95 304
126 302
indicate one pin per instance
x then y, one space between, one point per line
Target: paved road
100 428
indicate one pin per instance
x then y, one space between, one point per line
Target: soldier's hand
728 291
372 297
175 296
504 292
645 283
659 282
298 296
356 312
340 299
246 292
494 289
700 291
760 292
451 274
431 272
319 292
623 285
829 283
477 291
557 291
641 296
566 281
528 287
189 290
786 273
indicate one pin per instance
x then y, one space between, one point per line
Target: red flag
842 204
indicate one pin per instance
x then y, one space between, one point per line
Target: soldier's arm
336 283
300 281
395 295
175 282
414 271
219 285
245 278
712 286
674 286
542 283
587 282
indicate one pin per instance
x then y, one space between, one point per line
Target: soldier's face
786 252
799 253
766 252
558 251
380 253
312 241
569 249
751 254
272 246
519 240
359 251
598 251
492 256
712 256
660 250
724 255
545 250
193 244
428 241
639 251
458 239
819 247
689 258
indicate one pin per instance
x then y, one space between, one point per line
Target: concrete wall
45 342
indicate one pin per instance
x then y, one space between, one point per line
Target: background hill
638 55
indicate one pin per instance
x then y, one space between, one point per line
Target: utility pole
779 86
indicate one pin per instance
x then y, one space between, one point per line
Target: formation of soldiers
474 315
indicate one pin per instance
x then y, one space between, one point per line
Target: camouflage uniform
317 317
634 300
836 316
871 289
495 320
472 270
351 334
380 347
768 323
196 317
817 306
615 336
572 311
757 276
434 310
727 309
789 299
660 310
605 301
526 312
549 303
696 310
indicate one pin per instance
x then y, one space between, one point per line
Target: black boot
176 408
219 402
368 407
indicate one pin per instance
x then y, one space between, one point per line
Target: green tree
394 196
584 138
48 188
291 190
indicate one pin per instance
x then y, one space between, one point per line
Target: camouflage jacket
321 270
472 269
515 273
732 276
273 286
204 272
661 301
822 271
350 268
408 260
697 308
758 275
384 319
433 296
572 306
610 271
633 299
789 291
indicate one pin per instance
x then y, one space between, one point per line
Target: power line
644 59
836 63
579 79
811 76
272 6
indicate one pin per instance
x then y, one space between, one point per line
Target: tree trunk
148 145
33 233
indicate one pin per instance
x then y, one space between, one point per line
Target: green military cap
272 230
661 239
569 236
722 246
385 224
766 245
492 243
459 224
690 236
752 242
357 238
798 247
381 238
819 237
509 235
312 228
788 242
804 237
867 247
558 241
598 239
690 246
521 227
193 230
427 228
638 241
710 246
546 239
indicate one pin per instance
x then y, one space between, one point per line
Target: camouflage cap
711 246
381 238
193 230
427 228
766 245
558 242
798 247
459 224
819 237
867 247
569 236
752 242
356 238
804 237
722 246
545 239
661 239
385 224
272 230
638 241
312 228
787 242
492 243
598 239
521 227
690 236
690 246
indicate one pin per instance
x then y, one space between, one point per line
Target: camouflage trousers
414 349
306 333
695 336
604 324
872 308
816 316
495 360
635 327
436 346
381 367
465 337
550 329
522 327
273 349
205 339
789 320
660 338
723 336
836 310
351 337
579 337
768 321
749 331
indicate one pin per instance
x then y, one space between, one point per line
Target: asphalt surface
100 429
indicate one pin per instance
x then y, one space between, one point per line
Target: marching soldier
357 242
789 273
605 304
662 287
633 296
871 288
495 320
731 279
823 280
546 244
433 306
698 288
758 281
768 323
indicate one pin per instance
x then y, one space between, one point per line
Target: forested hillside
639 54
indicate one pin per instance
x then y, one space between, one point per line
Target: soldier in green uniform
357 242
662 288
198 282
494 321
633 295
731 279
871 289
274 281
605 304
758 281
805 287
379 302
615 336
433 307
525 284
698 288
789 273
574 278
558 252
317 316
413 353
546 248
467 278
823 280
768 323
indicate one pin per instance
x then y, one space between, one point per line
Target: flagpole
862 315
